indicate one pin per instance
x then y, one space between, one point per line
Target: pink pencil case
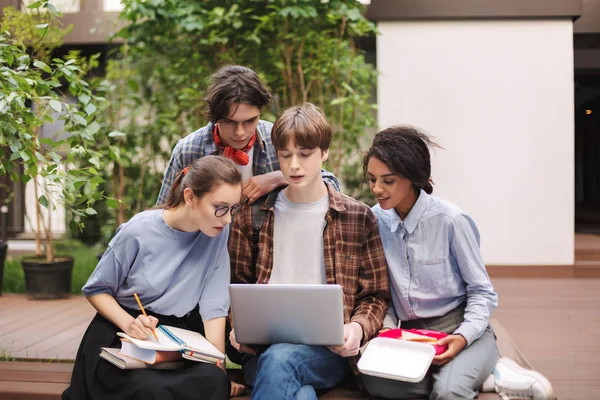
418 335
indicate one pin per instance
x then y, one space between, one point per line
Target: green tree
33 92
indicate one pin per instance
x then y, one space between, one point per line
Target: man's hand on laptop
242 348
353 334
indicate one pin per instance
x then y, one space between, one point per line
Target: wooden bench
33 381
46 381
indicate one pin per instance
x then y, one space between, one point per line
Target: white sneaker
515 382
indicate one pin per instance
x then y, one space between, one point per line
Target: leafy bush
34 91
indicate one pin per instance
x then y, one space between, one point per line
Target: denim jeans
293 371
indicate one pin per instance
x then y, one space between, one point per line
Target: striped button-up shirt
201 143
353 254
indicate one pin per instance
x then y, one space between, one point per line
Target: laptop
278 313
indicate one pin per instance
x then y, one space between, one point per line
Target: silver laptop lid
278 313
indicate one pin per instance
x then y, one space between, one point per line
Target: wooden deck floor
554 322
49 329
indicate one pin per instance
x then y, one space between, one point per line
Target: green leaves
31 95
90 109
112 203
56 105
43 66
84 98
43 201
95 162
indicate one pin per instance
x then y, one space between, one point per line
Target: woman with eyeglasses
175 258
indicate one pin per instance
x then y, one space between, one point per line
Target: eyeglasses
221 211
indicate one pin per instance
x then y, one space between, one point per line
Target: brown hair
405 151
202 177
305 124
234 84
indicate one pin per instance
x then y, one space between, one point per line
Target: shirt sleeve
214 301
373 293
174 167
240 249
331 179
390 320
481 297
108 276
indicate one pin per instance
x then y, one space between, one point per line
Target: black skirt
96 379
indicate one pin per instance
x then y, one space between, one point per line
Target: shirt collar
260 128
393 220
416 212
335 199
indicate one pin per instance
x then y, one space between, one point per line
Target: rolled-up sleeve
107 277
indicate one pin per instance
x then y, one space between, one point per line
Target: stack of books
173 344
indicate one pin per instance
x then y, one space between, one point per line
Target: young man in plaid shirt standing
235 100
313 235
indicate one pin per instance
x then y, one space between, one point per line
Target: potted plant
64 172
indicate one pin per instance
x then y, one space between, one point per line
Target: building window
113 5
64 6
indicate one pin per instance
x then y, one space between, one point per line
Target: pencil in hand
144 312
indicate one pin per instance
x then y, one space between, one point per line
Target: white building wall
58 215
498 96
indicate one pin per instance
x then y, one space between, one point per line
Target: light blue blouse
171 271
435 264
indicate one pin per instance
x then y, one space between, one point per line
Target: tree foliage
33 92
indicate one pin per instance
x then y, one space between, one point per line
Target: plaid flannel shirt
354 258
201 143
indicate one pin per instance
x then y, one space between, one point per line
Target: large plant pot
47 280
3 250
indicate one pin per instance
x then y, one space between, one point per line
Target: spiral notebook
192 345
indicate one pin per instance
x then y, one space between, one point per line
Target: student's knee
451 390
209 380
279 358
216 382
215 376
306 392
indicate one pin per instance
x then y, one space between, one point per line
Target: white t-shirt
298 241
246 170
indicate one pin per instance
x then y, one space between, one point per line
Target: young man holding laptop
311 235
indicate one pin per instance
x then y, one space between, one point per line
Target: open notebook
192 345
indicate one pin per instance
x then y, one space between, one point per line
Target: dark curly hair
405 151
